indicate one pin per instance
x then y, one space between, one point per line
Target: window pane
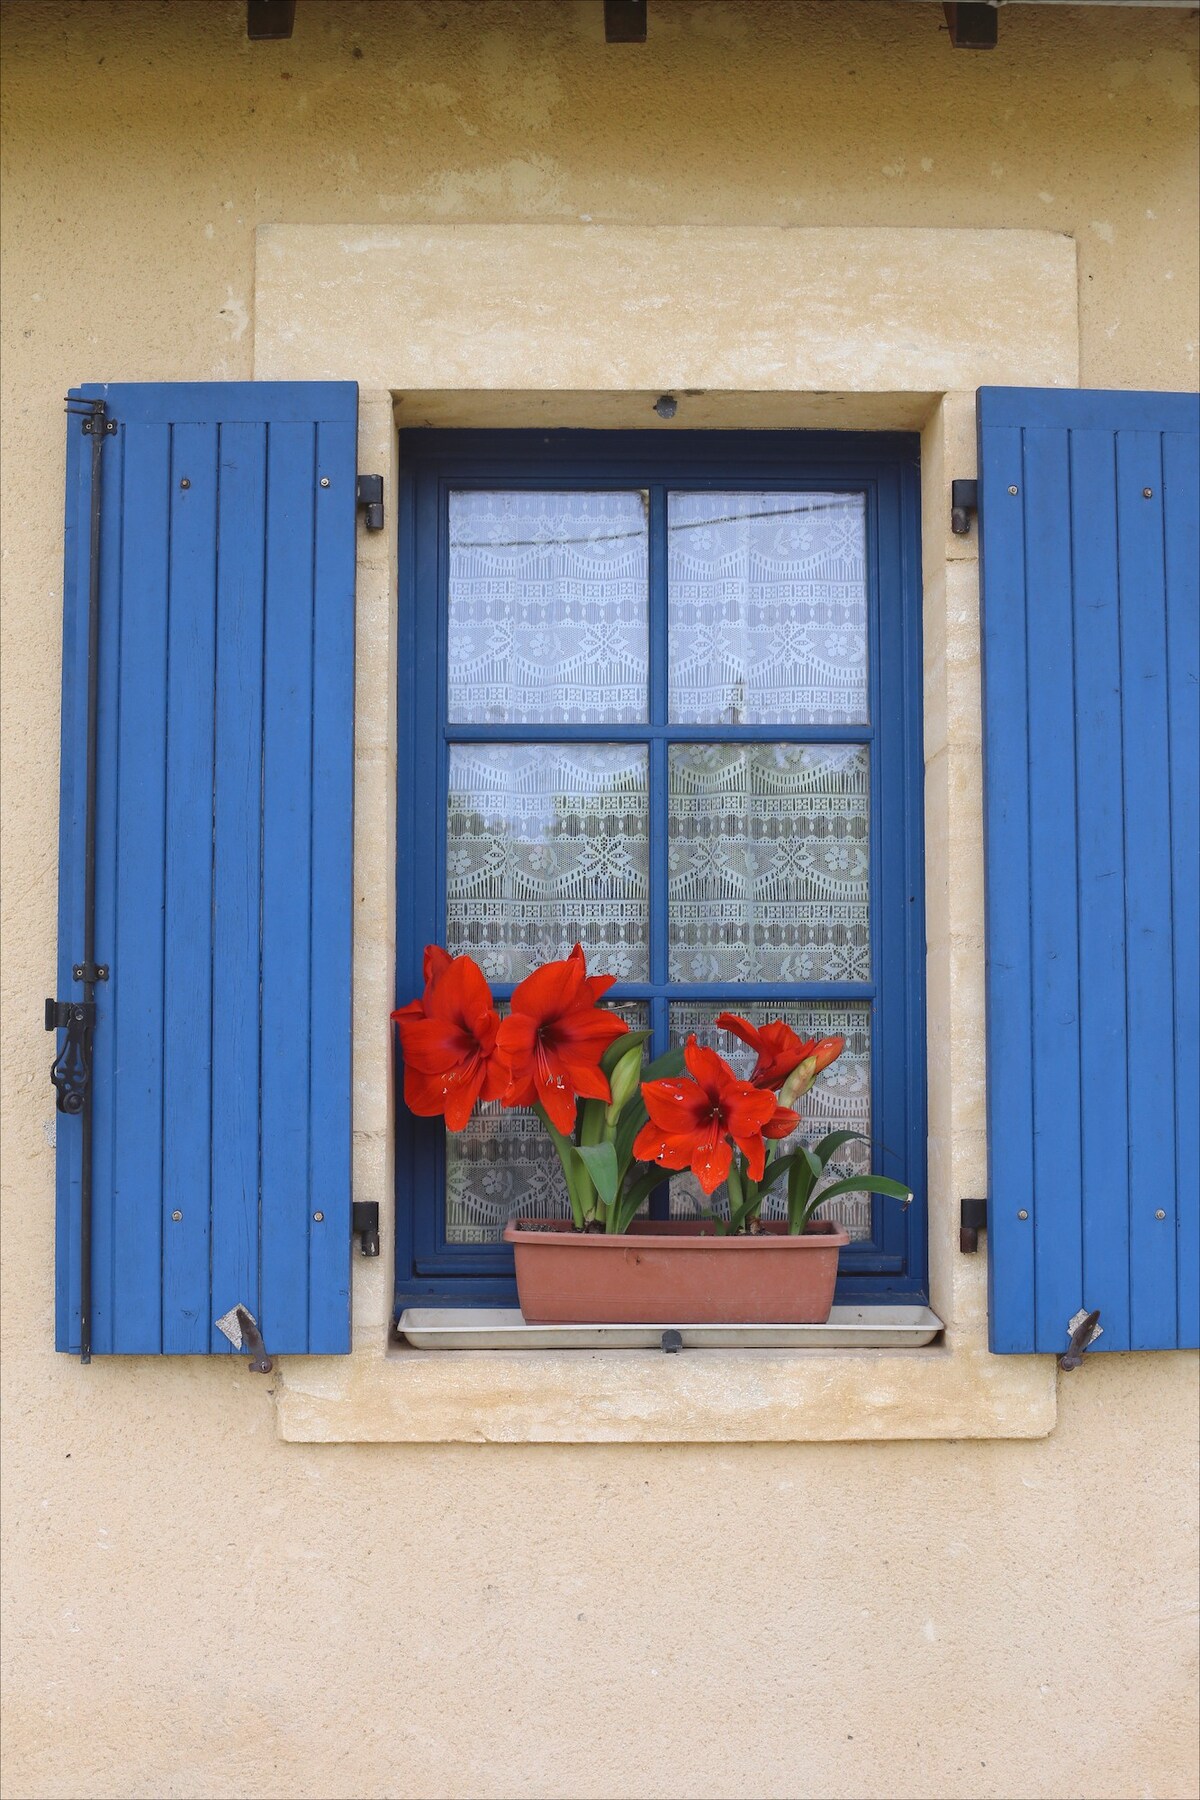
768 608
839 1100
768 862
548 608
547 846
504 1164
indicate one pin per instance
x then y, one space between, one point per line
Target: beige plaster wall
194 1607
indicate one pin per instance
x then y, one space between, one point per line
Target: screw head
324 481
1022 1214
185 483
1014 490
1147 493
177 1216
1160 1214
318 1216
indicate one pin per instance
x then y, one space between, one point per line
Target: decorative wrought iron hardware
964 500
369 495
972 1219
1083 1328
71 1070
365 1225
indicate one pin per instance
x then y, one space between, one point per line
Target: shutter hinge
365 1225
972 1219
71 1070
369 495
964 500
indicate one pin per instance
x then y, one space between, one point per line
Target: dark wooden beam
270 19
625 21
973 27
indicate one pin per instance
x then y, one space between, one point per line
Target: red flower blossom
779 1049
692 1122
554 1037
448 1037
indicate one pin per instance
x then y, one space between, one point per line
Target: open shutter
224 667
1088 514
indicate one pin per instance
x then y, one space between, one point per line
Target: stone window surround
586 325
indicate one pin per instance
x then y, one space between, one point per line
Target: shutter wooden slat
1088 512
224 873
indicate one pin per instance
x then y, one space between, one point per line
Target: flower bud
798 1082
624 1082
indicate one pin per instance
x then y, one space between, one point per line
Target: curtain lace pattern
548 846
768 862
767 609
548 608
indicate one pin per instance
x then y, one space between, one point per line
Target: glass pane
503 1164
768 608
547 846
839 1100
768 862
548 608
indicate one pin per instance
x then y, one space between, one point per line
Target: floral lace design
768 862
548 846
768 609
548 608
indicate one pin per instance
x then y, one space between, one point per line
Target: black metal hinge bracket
71 1070
964 501
973 26
972 1219
365 1225
369 495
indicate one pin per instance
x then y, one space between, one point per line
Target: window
659 694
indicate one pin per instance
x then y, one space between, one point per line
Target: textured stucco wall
193 1607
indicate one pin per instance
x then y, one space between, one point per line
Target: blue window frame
888 1261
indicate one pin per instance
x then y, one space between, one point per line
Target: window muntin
856 956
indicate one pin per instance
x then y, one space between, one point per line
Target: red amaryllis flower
448 1037
776 1045
692 1122
554 1037
779 1049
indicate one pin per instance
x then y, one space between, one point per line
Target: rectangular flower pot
675 1272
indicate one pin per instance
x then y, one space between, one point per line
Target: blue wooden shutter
221 1085
1088 515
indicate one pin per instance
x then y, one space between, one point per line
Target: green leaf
620 1047
828 1146
781 1166
670 1063
600 1160
867 1184
591 1122
638 1190
633 1117
806 1168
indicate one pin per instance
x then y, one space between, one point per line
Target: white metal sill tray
503 1328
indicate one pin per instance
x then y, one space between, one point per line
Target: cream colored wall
195 1608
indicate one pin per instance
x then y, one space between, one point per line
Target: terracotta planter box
675 1272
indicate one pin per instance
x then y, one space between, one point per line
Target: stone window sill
390 1393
